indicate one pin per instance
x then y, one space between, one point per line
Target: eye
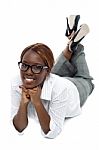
38 67
23 66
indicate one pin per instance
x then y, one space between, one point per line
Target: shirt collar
47 88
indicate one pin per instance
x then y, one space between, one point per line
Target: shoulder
58 84
60 81
16 81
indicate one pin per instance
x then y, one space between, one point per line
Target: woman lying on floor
52 92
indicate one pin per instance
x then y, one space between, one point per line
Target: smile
29 80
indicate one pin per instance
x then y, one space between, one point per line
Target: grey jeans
76 70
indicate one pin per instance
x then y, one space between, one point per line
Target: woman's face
30 79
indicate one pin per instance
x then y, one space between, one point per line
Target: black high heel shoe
72 23
78 36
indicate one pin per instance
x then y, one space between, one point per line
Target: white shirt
59 96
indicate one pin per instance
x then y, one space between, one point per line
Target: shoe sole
81 33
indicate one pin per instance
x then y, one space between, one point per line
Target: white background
24 22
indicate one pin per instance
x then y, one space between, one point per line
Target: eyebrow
33 64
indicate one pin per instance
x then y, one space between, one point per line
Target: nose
29 71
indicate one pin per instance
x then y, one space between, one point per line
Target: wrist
24 104
37 102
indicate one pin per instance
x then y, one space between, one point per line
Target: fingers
23 88
28 92
28 96
25 91
34 90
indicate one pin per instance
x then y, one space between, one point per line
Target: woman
51 93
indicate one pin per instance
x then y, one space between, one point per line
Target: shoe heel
72 23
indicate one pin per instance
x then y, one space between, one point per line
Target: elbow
19 127
46 130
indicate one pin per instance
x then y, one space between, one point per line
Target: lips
29 80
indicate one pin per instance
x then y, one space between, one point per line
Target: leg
76 70
63 66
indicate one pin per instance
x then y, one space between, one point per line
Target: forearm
43 117
20 120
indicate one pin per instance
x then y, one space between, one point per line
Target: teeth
29 79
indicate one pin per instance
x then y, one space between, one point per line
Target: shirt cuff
54 130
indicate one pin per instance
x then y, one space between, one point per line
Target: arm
43 117
42 114
20 120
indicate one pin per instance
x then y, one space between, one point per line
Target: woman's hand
35 94
25 95
32 95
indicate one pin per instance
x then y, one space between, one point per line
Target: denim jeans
76 70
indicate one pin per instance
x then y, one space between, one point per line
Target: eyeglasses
34 68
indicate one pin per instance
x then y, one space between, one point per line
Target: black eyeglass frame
31 66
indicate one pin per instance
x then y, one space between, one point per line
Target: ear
48 72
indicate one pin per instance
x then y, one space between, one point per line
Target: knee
92 86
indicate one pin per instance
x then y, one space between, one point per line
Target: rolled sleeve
54 130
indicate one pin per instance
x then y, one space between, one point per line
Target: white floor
28 21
